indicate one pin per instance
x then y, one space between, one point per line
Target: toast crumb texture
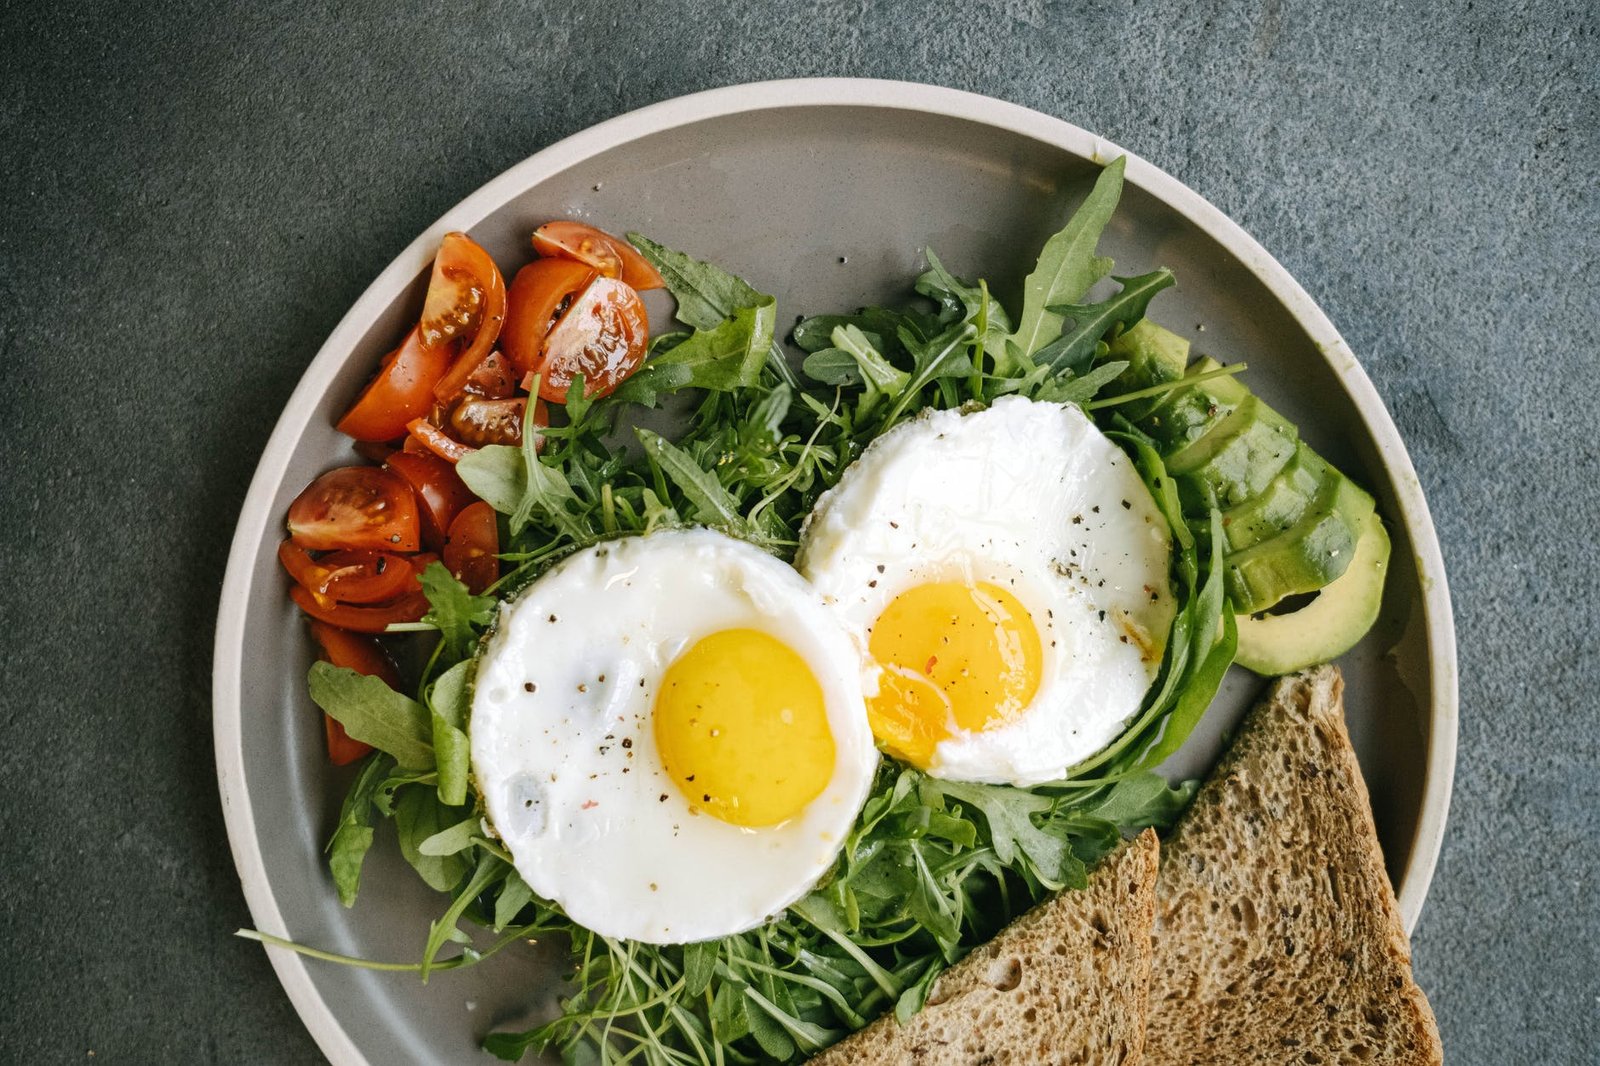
1064 984
1278 939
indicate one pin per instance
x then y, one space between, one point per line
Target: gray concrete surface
194 193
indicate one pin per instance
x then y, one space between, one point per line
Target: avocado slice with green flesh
1185 415
1309 555
1279 506
1154 356
1328 626
1236 459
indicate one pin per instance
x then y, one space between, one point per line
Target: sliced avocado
1184 415
1280 505
1329 625
1308 555
1154 356
1236 459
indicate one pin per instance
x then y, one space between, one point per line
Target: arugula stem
471 958
1166 387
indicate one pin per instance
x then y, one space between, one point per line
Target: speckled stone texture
193 194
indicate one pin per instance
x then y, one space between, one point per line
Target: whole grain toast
1278 939
1065 983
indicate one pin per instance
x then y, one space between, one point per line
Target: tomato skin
440 491
538 293
480 422
374 451
361 619
603 336
354 651
493 380
401 390
471 549
343 749
349 576
438 442
356 507
364 655
608 255
465 308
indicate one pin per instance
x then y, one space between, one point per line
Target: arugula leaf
699 965
452 840
1009 813
815 333
832 366
514 482
944 355
449 705
347 849
727 356
712 503
1215 638
706 293
514 896
454 611
497 475
1067 267
374 713
961 302
1079 389
488 869
420 817
1090 322
1141 799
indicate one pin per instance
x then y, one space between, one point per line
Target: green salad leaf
375 714
1067 267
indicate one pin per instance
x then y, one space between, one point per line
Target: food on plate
1295 524
1067 982
640 670
1016 611
659 715
1277 934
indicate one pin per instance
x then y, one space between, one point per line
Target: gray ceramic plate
823 192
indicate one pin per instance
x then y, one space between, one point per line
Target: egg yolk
956 657
742 728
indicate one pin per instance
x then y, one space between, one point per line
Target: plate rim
256 513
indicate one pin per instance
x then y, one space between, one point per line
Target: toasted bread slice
1065 983
1278 939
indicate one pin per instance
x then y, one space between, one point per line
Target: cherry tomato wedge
364 655
400 391
603 336
465 308
539 293
607 255
356 507
375 451
439 490
349 576
361 619
438 441
493 380
480 422
343 749
471 549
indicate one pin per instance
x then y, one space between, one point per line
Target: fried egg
1006 573
669 735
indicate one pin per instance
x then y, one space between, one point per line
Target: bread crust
1278 939
1064 984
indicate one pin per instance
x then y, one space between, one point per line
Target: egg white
564 752
1033 498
